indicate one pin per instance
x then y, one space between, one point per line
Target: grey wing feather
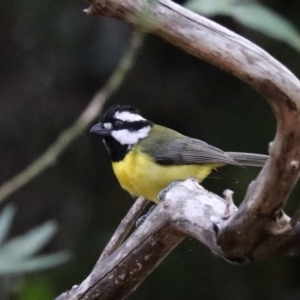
249 159
189 151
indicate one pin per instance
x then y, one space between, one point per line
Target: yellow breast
141 176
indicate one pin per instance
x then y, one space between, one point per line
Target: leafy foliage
17 255
252 15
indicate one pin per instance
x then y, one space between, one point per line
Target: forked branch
259 229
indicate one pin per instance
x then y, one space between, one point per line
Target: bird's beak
100 130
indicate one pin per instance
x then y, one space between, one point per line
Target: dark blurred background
53 58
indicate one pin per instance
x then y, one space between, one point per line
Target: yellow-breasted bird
147 157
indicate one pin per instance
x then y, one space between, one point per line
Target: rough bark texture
258 229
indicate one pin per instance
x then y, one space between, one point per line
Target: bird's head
121 127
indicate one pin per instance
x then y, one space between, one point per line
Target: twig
66 137
124 228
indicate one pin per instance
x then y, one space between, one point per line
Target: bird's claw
162 194
142 219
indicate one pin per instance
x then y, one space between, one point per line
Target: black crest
109 114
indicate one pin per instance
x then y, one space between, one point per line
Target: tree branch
124 228
50 156
238 56
258 229
186 210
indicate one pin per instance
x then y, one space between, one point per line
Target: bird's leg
161 195
160 198
142 219
230 207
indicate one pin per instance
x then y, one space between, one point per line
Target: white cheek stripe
128 117
126 137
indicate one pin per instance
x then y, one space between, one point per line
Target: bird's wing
186 150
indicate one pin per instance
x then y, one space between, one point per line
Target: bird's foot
230 207
142 219
162 194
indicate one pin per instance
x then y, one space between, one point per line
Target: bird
146 157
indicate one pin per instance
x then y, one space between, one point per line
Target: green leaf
6 218
210 7
152 2
12 266
30 242
16 254
37 288
259 17
252 15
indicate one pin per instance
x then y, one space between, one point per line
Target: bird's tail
249 159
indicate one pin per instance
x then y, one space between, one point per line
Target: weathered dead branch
259 229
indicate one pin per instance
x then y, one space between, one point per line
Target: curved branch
238 56
258 229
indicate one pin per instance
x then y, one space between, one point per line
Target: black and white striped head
121 127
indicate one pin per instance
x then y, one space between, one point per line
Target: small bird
147 157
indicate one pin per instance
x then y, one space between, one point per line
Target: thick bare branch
258 229
120 273
124 228
187 210
238 56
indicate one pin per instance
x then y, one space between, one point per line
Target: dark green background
53 58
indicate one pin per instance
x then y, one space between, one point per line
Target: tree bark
258 229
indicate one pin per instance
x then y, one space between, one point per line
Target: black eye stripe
118 123
132 126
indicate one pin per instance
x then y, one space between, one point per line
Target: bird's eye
118 123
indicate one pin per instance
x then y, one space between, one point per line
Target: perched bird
147 157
